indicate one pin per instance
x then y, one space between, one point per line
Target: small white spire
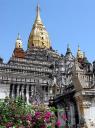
68 49
68 45
78 47
18 36
84 54
18 42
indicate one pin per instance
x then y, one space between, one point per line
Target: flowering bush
18 114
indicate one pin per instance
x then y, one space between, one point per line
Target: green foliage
16 113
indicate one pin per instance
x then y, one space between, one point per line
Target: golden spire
39 36
38 18
80 54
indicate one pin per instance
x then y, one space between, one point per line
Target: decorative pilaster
79 102
20 91
24 92
18 88
13 90
27 94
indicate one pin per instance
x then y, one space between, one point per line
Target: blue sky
67 21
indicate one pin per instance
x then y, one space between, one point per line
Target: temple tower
39 36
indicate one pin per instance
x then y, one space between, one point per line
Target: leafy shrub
15 113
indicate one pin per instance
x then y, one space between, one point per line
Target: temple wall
89 114
4 90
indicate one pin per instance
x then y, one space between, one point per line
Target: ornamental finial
18 42
18 36
80 54
38 18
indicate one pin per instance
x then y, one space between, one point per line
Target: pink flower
47 116
9 124
58 123
37 115
64 117
29 117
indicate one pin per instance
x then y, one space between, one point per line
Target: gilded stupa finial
38 18
18 42
80 54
